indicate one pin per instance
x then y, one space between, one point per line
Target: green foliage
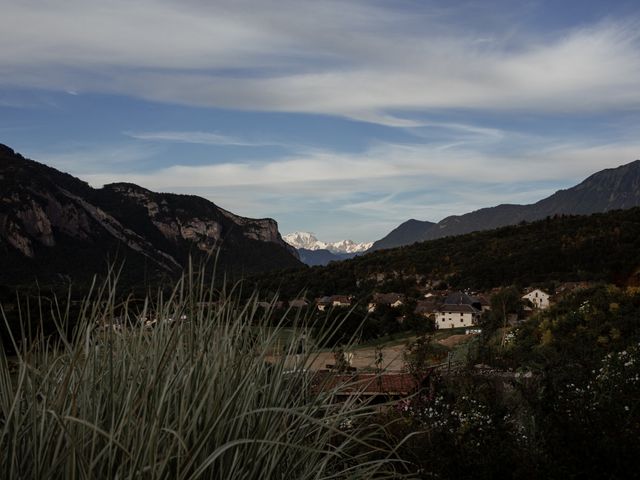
491 343
579 330
562 402
585 351
340 364
357 324
462 429
421 354
601 247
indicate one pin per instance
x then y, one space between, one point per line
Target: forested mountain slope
599 247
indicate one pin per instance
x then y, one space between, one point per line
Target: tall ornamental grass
197 392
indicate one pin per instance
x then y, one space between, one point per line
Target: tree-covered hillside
600 247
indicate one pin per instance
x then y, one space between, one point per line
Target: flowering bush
466 417
613 388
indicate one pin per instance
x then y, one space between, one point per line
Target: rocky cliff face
191 219
52 223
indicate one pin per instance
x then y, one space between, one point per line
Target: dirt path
364 358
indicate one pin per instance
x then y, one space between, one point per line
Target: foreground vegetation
188 395
199 384
554 397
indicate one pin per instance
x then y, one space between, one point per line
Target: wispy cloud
397 181
82 159
388 162
202 138
347 58
440 71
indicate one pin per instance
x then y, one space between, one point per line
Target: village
445 308
450 318
453 319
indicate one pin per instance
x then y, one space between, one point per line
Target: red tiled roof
364 383
340 298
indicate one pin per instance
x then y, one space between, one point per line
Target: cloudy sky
342 118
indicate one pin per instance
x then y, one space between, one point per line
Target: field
363 356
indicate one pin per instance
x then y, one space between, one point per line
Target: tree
419 355
503 303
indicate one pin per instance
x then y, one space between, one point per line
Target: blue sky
343 118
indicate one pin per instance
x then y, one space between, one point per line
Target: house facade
539 298
457 316
333 301
340 301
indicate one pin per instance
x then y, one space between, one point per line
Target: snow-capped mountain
308 241
349 246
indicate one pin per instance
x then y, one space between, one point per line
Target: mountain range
54 226
610 189
309 241
316 252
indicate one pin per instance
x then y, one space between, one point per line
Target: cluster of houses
463 310
447 309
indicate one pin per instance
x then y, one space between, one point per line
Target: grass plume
192 396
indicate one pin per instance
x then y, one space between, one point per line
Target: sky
342 118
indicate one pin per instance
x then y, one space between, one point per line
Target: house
458 310
429 307
340 301
333 301
323 303
457 316
539 298
462 298
485 305
393 300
